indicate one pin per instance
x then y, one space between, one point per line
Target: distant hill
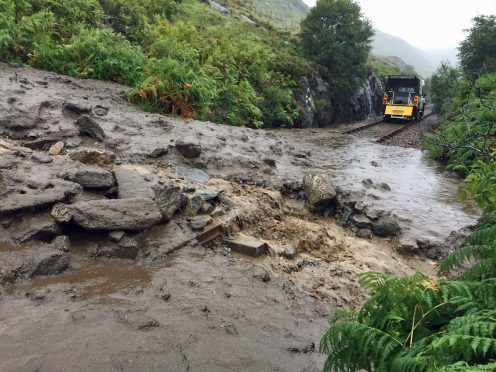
386 45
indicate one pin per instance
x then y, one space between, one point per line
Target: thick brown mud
177 305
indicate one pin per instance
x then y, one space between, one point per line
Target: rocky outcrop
110 214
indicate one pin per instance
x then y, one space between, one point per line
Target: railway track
384 126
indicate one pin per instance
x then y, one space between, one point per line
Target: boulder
31 199
158 151
131 184
110 214
92 178
385 226
167 195
318 191
87 125
188 148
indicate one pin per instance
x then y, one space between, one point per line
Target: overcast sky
436 24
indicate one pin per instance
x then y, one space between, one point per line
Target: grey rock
116 236
17 122
126 248
384 186
289 252
193 175
261 273
167 195
62 242
188 148
385 226
318 191
199 222
360 220
364 233
76 109
43 143
270 162
208 194
219 8
131 184
157 152
92 178
32 199
217 212
111 214
87 125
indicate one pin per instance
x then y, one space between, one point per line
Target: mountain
440 55
386 45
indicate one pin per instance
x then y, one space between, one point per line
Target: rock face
318 191
188 148
385 226
111 214
87 125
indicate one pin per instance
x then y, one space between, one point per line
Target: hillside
388 45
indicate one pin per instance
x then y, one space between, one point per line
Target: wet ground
203 308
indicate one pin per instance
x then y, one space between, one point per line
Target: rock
38 226
318 191
62 242
364 233
56 148
367 182
208 194
360 220
76 109
93 156
31 199
217 212
199 222
100 110
261 273
307 348
111 214
193 175
219 8
230 329
168 197
42 159
157 152
270 162
43 143
127 248
17 122
385 226
88 125
116 236
289 252
384 186
31 263
205 208
92 178
188 148
131 184
61 213
407 245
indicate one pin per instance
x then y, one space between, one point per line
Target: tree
442 85
477 52
337 36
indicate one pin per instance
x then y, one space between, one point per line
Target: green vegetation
415 323
385 66
337 36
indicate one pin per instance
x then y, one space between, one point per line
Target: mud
178 305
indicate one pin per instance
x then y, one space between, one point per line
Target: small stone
385 226
159 151
289 252
367 182
270 162
230 329
360 220
217 212
384 187
188 148
62 242
57 148
261 273
364 233
116 236
193 175
43 159
88 125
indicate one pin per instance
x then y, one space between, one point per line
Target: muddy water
423 195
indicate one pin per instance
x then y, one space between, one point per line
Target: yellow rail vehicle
404 98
